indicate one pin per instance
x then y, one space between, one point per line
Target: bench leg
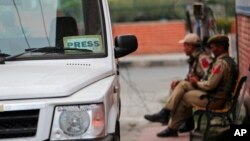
199 122
207 127
234 115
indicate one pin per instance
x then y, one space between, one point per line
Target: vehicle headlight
78 122
74 123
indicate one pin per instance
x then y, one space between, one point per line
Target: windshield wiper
15 56
2 57
43 50
56 50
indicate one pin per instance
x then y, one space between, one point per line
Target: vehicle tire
117 132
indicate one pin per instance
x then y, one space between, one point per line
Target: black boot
187 126
168 133
162 116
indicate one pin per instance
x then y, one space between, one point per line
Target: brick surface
244 43
154 37
243 23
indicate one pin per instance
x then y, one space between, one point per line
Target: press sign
90 42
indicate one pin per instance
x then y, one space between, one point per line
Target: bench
227 115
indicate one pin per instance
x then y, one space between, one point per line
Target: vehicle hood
22 82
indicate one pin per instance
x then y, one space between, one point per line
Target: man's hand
193 79
174 84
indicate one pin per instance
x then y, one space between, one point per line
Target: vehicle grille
15 124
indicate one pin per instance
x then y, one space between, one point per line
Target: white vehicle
59 71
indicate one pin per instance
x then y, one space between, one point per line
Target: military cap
191 38
218 39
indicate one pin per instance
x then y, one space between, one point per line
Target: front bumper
107 138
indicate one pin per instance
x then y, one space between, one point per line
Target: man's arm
214 78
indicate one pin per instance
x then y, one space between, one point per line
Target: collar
222 55
196 53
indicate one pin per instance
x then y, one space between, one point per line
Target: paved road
143 91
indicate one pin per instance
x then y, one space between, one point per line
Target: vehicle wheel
117 132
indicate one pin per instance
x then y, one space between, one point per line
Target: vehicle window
52 28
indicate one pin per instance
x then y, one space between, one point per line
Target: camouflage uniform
188 96
199 63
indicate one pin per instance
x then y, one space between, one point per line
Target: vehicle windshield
46 29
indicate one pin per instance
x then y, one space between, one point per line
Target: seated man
199 61
221 79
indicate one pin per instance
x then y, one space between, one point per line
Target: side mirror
125 45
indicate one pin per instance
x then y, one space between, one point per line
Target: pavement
153 60
136 128
149 134
142 130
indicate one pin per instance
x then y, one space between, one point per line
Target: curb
153 60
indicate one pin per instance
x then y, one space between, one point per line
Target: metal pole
201 29
226 6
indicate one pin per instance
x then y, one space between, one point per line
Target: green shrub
224 25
